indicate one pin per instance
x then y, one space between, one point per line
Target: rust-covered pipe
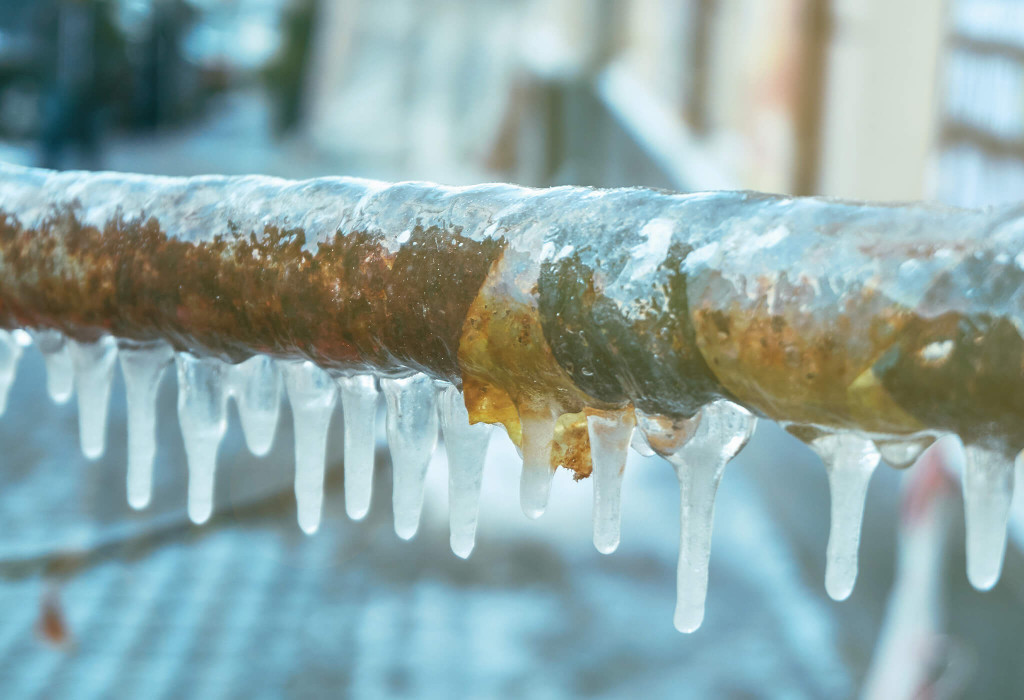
886 320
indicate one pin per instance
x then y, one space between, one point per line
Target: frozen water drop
256 386
202 413
720 433
21 337
142 365
93 365
10 354
535 483
988 492
903 453
610 437
60 375
466 446
359 403
313 394
850 460
664 435
412 436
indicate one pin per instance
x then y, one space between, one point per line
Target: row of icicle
698 449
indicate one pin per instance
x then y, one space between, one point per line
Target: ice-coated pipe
882 319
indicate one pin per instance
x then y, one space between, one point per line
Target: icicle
10 353
256 386
142 365
610 437
59 373
312 394
93 365
722 431
412 436
902 453
202 413
535 482
988 492
466 446
359 404
850 460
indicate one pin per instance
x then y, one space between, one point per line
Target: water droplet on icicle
412 436
850 460
535 482
903 453
466 446
359 404
142 365
93 365
610 437
256 386
988 492
10 354
312 394
202 413
60 375
721 432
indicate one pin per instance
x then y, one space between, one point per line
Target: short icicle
313 395
256 386
466 447
535 482
988 492
850 460
93 364
142 366
723 430
412 437
610 437
60 375
10 354
202 413
359 404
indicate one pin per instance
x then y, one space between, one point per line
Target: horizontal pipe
886 320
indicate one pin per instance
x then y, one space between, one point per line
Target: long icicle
202 413
466 447
850 461
359 398
988 493
93 365
723 430
610 437
312 394
142 366
412 435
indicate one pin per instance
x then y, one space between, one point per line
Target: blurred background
872 99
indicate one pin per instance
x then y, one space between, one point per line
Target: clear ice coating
142 366
256 386
988 492
93 365
202 413
535 482
10 354
610 438
359 404
412 436
313 394
722 429
466 446
903 453
850 460
60 375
